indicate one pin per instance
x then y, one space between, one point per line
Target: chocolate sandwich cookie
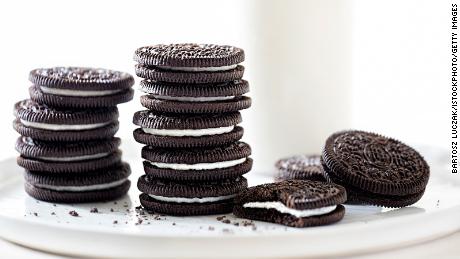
189 198
189 63
375 169
80 87
199 98
101 185
185 131
301 167
67 157
294 203
197 164
42 122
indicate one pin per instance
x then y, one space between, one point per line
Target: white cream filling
94 187
68 92
193 99
74 158
191 200
199 69
188 132
279 206
57 127
199 166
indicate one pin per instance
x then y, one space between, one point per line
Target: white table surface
446 247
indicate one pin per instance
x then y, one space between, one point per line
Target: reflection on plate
118 229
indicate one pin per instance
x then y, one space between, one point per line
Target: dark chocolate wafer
67 157
183 77
234 151
42 122
172 106
81 78
231 88
181 130
188 141
189 198
80 102
189 55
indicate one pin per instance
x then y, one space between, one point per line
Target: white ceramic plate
49 227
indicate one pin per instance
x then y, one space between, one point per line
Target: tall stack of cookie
194 160
67 143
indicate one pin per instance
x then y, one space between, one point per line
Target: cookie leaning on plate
42 122
189 198
80 87
375 169
294 203
100 185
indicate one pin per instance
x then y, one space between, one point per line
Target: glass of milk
298 64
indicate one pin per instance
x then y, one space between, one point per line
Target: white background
399 54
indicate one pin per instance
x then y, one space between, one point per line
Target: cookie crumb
174 223
35 214
220 218
211 228
248 223
115 222
236 224
94 210
73 213
53 213
139 221
111 209
226 221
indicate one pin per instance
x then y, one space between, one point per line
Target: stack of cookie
67 143
194 160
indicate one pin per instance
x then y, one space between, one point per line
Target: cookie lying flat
42 122
189 63
189 198
199 98
294 203
301 167
101 185
375 169
79 87
185 131
198 164
67 157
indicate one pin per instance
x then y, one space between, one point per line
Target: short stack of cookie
194 160
67 144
